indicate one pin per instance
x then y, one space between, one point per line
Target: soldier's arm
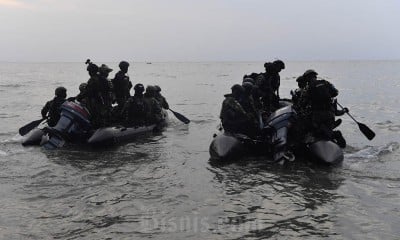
339 112
45 110
165 103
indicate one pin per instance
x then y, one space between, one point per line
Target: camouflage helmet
139 88
150 88
310 72
123 64
269 66
60 92
279 64
249 80
158 89
237 88
82 87
92 68
300 79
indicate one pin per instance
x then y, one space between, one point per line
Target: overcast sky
199 30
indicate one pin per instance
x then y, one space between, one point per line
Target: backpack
322 91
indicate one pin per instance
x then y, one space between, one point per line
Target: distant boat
148 62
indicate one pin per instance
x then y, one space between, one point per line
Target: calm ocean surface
163 186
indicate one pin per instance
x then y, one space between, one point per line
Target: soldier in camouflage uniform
277 67
52 109
121 84
248 103
255 92
105 86
233 116
317 108
299 97
302 107
264 82
95 101
153 107
135 109
81 97
160 98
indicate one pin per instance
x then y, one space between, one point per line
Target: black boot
337 123
339 139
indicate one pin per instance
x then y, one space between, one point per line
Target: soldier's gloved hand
345 110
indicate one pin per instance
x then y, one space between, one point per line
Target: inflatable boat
74 127
275 142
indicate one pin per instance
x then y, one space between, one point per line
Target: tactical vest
321 93
55 110
322 90
137 106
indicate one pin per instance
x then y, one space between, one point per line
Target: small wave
198 104
173 122
4 115
395 128
11 85
289 78
155 74
389 125
16 139
203 121
384 123
372 152
2 153
6 133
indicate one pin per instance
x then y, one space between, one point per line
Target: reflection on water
268 198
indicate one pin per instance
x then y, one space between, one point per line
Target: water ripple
373 152
163 187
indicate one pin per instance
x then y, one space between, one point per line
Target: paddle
180 117
368 133
28 127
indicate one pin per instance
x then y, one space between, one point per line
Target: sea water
164 187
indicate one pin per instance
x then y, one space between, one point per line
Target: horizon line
214 61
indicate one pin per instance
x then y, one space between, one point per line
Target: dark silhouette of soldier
52 109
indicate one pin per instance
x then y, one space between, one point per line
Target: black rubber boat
33 138
113 135
74 127
275 142
227 147
320 151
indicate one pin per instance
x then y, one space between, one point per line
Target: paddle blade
180 117
368 133
28 127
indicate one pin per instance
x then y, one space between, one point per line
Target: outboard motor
74 125
276 129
